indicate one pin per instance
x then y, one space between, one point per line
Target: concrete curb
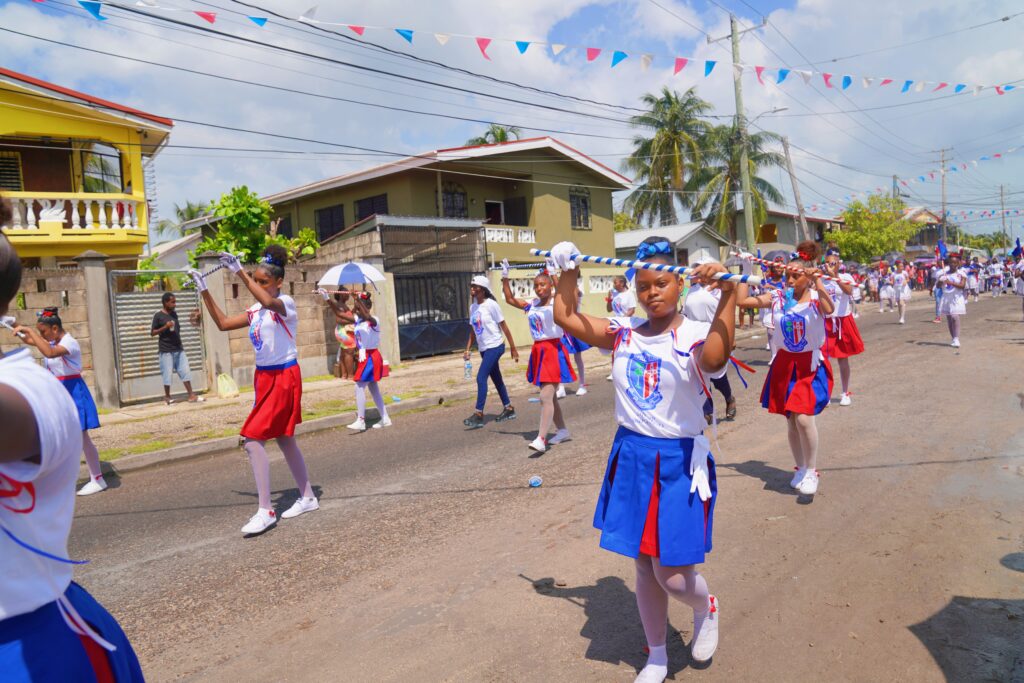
133 463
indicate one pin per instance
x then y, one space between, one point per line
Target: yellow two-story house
73 167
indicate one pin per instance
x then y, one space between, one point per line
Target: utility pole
796 189
1002 205
942 172
895 189
741 124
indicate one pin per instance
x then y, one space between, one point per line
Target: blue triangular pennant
782 75
92 8
522 45
617 57
906 86
709 66
259 21
847 80
959 87
405 33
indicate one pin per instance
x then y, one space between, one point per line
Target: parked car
431 315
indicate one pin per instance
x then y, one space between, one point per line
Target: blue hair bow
267 258
648 249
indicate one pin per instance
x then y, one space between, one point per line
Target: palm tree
494 134
717 186
182 214
662 162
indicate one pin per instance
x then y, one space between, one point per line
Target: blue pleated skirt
79 390
651 475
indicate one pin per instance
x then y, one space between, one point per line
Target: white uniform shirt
367 332
840 298
657 390
622 302
701 303
38 500
801 329
272 335
486 319
68 364
949 276
541 321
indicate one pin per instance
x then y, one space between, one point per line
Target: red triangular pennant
482 43
209 16
680 64
828 80
358 30
940 86
885 81
592 53
759 70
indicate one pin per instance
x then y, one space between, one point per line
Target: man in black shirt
172 353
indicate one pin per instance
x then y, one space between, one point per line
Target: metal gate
137 356
432 267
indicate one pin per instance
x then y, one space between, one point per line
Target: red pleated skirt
842 338
549 363
278 405
793 387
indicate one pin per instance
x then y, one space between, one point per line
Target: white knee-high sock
92 457
379 400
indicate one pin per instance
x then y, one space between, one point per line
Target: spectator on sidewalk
172 353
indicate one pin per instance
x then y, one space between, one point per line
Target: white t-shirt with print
701 303
68 364
541 321
38 500
273 335
367 332
486 319
623 302
840 298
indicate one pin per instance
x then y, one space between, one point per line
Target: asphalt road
431 558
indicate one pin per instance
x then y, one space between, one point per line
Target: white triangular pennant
309 15
645 61
737 69
867 81
920 86
556 49
977 89
806 75
442 38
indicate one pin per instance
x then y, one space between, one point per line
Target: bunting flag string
766 75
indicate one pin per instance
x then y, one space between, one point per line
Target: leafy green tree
624 222
242 228
717 188
664 157
182 214
872 228
494 134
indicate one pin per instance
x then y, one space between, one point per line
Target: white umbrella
351 273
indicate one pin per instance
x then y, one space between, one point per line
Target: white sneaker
538 445
561 392
609 378
359 424
705 633
582 391
798 477
652 673
955 343
386 422
809 485
300 506
845 400
260 522
93 486
902 322
560 436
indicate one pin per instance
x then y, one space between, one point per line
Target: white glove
562 254
504 268
550 266
699 474
230 261
198 279
323 293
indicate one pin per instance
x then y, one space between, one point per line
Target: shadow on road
612 624
774 479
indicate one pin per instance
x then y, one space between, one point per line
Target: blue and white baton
681 270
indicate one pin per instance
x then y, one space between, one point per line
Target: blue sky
845 141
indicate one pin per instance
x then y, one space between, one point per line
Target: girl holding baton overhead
62 356
842 338
799 381
272 323
549 360
657 501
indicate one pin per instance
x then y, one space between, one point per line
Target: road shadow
993 320
774 479
976 639
1014 561
528 435
612 624
927 343
281 499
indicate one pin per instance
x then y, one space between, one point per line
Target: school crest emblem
255 325
536 323
643 372
794 332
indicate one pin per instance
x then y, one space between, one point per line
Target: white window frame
500 203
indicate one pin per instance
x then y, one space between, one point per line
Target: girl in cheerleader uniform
273 323
799 381
370 367
657 501
576 347
886 290
549 363
842 338
953 280
972 280
62 356
901 289
51 629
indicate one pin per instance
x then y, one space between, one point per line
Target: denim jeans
489 367
174 361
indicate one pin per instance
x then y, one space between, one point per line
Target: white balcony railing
527 236
500 235
77 211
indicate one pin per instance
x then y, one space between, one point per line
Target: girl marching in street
370 368
486 326
842 338
273 323
62 356
51 629
799 381
953 280
774 278
886 290
657 501
549 363
901 288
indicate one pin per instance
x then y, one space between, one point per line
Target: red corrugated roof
84 97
